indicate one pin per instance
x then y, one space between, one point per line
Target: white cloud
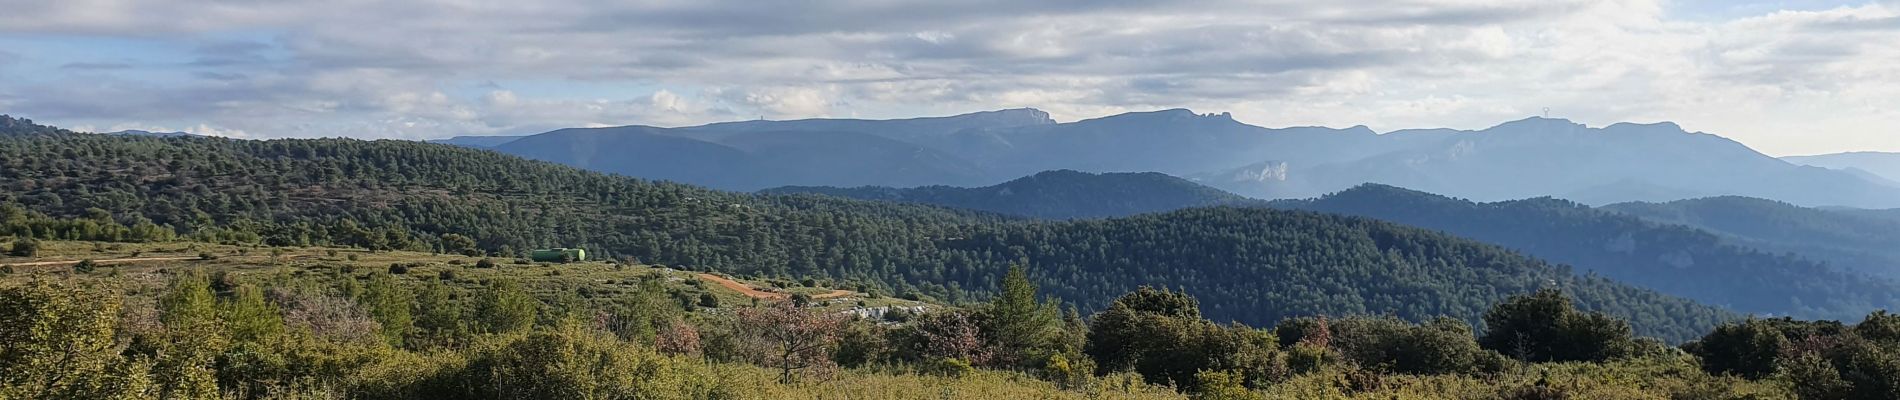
403 69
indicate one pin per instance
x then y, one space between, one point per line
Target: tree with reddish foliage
949 334
789 338
677 338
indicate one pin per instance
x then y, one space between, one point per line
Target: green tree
251 318
391 304
56 341
186 366
1019 328
504 307
1544 326
455 243
438 315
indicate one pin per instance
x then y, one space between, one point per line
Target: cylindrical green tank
558 254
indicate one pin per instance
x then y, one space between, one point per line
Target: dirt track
101 261
760 294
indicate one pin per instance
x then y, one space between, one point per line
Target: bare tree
791 339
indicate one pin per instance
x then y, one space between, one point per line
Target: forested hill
1673 259
1250 265
21 126
1848 239
1058 194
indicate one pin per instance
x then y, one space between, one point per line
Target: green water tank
558 254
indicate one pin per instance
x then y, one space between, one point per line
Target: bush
950 367
207 256
485 263
25 247
1545 326
446 275
398 269
85 266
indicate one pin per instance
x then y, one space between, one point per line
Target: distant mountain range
1884 165
1060 194
135 132
1519 159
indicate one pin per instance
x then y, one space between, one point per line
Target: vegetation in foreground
247 323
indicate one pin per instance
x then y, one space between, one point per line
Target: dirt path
760 294
99 261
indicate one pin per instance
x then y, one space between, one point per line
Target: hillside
1248 265
1672 259
1060 194
1842 238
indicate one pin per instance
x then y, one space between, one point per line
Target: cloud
95 66
420 69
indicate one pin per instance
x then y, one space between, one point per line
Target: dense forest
1248 265
1673 259
1847 239
1059 194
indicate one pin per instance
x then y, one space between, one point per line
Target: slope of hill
1250 265
1842 238
1672 259
1060 194
1885 165
481 142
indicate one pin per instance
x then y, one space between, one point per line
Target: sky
1785 77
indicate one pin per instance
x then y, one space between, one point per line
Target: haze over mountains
1881 164
1519 159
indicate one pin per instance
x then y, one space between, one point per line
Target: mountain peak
1539 124
1025 115
1655 127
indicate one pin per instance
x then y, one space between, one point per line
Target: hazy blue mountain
1843 238
901 129
1673 259
1519 159
745 161
480 142
640 152
1060 194
1553 157
135 132
1885 165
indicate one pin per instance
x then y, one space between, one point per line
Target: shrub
950 367
398 269
25 247
485 263
85 266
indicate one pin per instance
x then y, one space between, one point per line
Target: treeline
376 335
1249 265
